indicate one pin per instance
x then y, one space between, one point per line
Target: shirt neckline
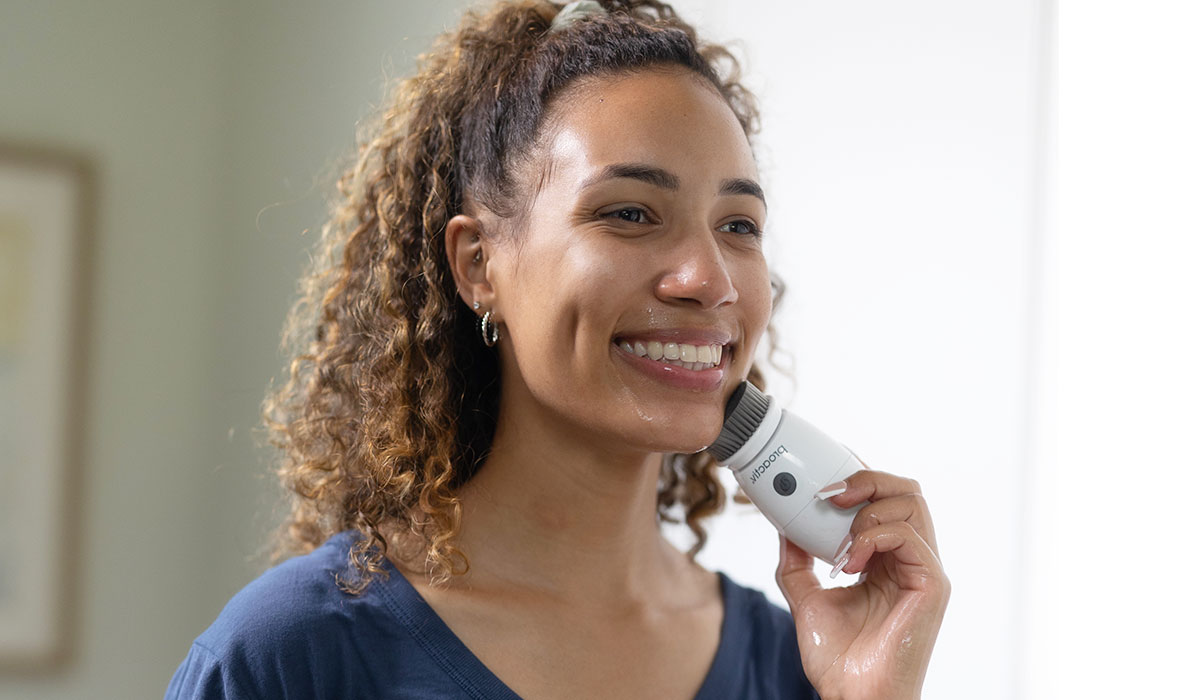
408 606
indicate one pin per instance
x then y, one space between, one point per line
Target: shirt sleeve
202 676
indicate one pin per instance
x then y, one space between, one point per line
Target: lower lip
698 380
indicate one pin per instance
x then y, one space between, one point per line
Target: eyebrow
740 185
665 180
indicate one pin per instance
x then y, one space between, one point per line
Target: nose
699 275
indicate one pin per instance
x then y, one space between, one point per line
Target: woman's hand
873 639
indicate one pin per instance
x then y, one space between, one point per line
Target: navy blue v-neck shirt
292 633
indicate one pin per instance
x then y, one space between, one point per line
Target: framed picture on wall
46 210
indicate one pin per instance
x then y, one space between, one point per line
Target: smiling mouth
691 357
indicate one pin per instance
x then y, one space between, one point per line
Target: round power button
784 484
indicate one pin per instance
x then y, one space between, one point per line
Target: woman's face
645 231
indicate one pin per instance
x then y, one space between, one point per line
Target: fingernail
832 490
839 565
844 545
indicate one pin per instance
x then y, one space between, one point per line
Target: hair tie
573 12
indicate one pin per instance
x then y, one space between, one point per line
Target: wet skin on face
647 220
644 223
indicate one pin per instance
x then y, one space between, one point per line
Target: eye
743 227
633 215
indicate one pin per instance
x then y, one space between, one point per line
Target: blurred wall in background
198 118
137 87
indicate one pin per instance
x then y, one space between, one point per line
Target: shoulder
283 635
298 597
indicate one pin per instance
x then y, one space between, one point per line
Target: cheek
756 292
757 297
562 301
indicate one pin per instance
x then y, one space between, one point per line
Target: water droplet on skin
632 398
634 401
639 411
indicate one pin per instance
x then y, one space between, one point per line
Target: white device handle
780 461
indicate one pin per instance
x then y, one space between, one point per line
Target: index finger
869 485
892 497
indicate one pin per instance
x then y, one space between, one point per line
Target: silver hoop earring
483 329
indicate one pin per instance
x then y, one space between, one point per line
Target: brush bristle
743 414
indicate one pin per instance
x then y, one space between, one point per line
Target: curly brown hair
391 400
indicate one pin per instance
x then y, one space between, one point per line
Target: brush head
744 412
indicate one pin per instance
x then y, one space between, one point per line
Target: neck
556 511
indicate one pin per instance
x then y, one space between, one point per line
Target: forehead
667 117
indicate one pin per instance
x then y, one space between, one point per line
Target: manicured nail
832 490
844 545
839 565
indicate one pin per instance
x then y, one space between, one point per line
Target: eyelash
613 215
753 229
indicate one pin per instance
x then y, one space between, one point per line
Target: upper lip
691 336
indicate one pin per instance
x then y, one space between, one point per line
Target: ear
467 252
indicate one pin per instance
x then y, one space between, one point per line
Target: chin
679 437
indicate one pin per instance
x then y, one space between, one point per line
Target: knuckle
904 529
944 589
861 540
865 520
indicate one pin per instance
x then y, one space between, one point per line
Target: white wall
1103 592
900 154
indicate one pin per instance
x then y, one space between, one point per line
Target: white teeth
694 357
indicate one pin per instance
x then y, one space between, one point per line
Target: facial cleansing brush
780 461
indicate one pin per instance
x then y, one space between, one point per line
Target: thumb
795 573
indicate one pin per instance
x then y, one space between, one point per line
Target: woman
480 457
